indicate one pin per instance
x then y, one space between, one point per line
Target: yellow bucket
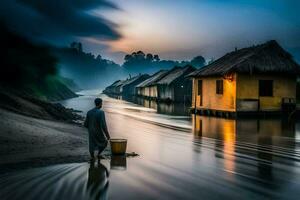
118 146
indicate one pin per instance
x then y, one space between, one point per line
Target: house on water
258 79
175 86
112 88
117 87
147 88
127 88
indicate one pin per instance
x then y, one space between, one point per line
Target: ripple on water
65 181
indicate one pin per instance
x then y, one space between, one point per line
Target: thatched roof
269 57
176 73
153 79
136 78
119 83
115 83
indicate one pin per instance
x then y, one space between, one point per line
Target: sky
174 29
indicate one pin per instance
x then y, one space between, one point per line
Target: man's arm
86 121
103 121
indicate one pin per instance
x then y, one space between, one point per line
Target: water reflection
263 132
176 109
265 164
65 181
118 162
250 148
163 108
97 183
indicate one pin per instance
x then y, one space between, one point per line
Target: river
180 157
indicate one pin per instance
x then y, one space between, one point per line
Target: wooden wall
153 91
240 88
211 100
247 88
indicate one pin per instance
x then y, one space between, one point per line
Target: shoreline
27 142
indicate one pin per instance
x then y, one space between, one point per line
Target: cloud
57 21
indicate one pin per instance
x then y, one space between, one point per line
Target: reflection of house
174 86
146 88
256 139
162 107
172 109
251 131
258 78
148 103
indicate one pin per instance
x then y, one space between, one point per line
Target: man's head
98 102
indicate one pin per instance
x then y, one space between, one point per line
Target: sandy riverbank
28 142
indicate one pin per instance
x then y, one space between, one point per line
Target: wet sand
29 142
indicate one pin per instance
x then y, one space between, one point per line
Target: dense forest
147 63
30 68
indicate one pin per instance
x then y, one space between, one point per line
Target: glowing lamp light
229 77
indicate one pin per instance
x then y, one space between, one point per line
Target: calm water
181 157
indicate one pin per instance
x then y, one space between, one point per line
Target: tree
140 55
73 45
77 46
149 57
156 58
127 57
24 62
99 57
198 61
211 61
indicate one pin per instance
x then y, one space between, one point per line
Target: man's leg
91 150
101 148
91 147
92 154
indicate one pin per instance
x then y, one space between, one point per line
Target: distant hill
30 68
87 70
90 71
70 84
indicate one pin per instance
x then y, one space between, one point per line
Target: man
98 133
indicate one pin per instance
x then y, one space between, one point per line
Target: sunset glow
211 28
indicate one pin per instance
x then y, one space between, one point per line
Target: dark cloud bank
51 25
56 21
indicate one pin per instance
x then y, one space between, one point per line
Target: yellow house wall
211 100
247 87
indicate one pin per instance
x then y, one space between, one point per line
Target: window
199 87
219 86
265 88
